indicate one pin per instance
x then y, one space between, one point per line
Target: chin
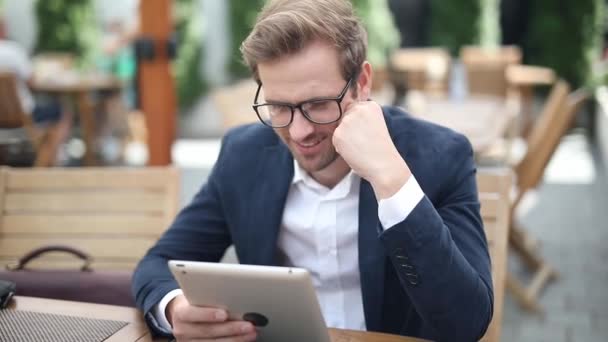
316 163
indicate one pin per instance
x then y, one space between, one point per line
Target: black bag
7 290
83 285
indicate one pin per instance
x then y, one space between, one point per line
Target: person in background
381 208
15 59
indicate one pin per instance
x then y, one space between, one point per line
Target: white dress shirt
319 232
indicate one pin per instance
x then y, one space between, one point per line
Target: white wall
20 22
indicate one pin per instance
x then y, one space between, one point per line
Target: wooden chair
45 140
113 214
234 103
421 69
553 123
494 186
486 68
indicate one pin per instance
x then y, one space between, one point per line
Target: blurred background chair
234 102
553 123
112 214
485 68
425 70
494 186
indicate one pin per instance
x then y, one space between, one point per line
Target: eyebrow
313 99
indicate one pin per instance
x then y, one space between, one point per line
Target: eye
318 106
279 109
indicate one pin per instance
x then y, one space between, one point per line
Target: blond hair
284 27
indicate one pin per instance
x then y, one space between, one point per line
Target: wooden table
483 120
137 330
78 87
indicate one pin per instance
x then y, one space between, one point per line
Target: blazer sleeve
440 253
199 232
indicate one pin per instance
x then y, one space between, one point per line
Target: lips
309 148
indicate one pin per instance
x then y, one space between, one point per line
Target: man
381 208
15 60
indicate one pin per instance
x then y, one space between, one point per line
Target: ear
364 82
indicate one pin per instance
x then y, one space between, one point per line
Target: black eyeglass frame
299 105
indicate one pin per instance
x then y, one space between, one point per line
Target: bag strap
52 248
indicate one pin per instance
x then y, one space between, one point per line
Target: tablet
280 301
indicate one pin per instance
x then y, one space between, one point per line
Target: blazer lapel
371 257
267 202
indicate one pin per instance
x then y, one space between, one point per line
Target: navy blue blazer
428 276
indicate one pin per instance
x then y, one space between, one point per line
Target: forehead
314 71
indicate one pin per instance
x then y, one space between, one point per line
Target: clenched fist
363 141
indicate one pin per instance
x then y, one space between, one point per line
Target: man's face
311 73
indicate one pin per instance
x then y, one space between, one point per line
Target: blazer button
412 278
401 257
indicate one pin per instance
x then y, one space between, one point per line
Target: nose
300 127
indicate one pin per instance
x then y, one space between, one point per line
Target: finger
196 314
231 328
242 338
353 106
213 330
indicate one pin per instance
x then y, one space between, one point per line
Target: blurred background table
78 87
483 120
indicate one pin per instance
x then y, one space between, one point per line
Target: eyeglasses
320 110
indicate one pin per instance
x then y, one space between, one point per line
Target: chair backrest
426 69
486 68
553 122
494 186
113 214
11 113
234 102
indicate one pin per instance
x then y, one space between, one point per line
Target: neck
332 174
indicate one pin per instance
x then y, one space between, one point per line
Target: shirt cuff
159 309
396 208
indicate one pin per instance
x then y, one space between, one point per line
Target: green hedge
242 15
565 35
454 23
67 26
186 68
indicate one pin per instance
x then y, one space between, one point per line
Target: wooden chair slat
87 209
494 186
80 224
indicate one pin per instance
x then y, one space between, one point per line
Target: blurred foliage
489 24
68 26
383 36
566 36
242 15
187 66
455 23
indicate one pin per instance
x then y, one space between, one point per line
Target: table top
529 75
483 120
137 330
76 82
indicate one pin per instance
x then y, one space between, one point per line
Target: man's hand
363 141
192 323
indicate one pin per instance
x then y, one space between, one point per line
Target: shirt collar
342 189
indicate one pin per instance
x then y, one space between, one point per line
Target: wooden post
157 92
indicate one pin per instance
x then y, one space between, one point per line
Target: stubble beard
319 162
